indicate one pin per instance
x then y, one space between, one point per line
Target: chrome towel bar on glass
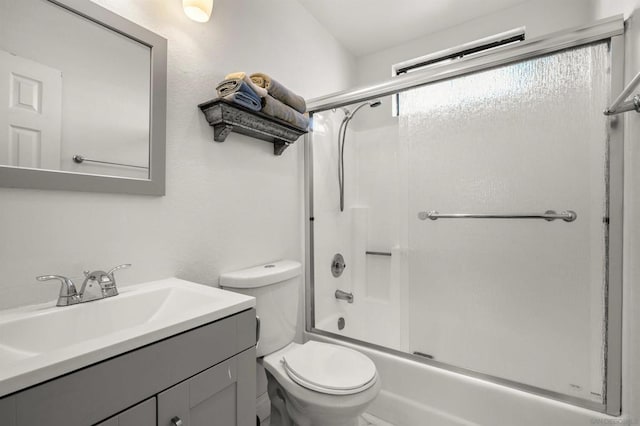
549 215
378 253
81 159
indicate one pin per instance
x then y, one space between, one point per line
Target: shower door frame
611 29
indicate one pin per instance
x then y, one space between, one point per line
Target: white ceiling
366 26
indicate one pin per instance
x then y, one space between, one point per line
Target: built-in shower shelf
226 117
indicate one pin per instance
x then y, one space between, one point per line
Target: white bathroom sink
41 342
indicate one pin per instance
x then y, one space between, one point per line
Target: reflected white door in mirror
32 119
79 81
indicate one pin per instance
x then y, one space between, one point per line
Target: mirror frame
15 177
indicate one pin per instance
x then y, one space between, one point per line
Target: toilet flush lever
177 421
257 329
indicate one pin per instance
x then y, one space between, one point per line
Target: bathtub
417 394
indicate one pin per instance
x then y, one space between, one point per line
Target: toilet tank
276 287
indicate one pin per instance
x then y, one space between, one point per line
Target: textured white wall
227 206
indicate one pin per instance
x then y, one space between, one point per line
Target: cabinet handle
177 421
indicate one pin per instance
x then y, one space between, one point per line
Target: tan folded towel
260 91
279 91
277 109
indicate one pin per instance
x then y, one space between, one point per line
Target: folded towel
262 92
277 109
234 85
279 92
239 92
244 100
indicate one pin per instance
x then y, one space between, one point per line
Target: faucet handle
68 293
109 285
123 266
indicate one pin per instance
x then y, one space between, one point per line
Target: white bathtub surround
368 223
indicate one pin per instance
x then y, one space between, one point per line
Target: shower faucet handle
337 265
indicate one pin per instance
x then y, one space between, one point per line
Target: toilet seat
329 369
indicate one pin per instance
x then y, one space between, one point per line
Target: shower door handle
549 215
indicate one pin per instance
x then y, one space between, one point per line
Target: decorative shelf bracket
221 131
226 117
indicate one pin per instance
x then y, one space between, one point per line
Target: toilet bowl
311 384
312 397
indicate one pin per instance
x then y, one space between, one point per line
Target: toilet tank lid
262 275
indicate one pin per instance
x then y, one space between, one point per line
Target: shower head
342 138
348 115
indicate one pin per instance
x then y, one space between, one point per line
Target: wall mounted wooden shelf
226 117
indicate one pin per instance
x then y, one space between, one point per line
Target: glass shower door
519 299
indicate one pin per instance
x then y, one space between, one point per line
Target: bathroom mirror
83 99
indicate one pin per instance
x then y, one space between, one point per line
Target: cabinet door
8 411
143 414
223 395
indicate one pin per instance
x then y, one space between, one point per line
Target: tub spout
343 295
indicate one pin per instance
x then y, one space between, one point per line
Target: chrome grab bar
378 253
549 215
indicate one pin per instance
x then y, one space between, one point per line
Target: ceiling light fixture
198 10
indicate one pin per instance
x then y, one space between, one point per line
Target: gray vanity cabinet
204 376
143 414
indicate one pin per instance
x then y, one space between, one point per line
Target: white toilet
313 384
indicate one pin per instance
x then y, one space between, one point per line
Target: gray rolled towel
273 107
279 92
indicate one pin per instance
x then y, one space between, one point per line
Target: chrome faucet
97 285
343 295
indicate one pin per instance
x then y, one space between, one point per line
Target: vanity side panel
247 330
101 390
8 411
246 388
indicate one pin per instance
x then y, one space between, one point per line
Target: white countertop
41 342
